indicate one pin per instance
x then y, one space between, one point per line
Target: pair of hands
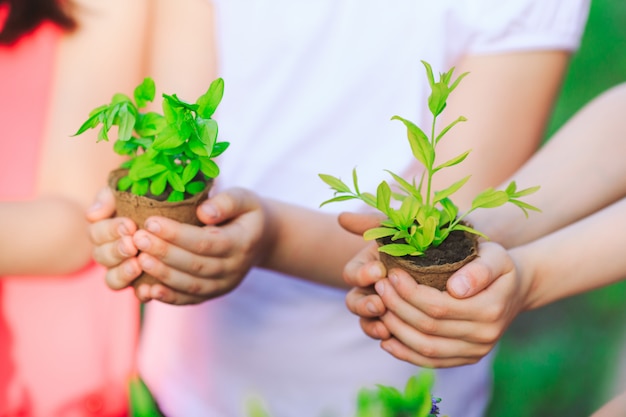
415 323
423 325
194 264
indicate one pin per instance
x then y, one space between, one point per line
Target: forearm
580 170
580 257
47 236
308 244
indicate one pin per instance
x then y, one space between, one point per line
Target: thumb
358 223
492 262
227 205
103 207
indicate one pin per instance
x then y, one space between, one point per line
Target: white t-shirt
310 87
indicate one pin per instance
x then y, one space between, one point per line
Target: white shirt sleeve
513 25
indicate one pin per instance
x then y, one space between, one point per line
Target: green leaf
399 249
195 187
447 128
420 145
410 189
126 124
378 232
142 402
140 187
176 196
335 183
91 122
197 147
440 195
207 133
429 73
383 197
169 138
175 181
219 148
454 161
149 124
144 92
145 168
209 168
338 199
124 183
158 184
208 102
190 171
468 229
437 99
490 198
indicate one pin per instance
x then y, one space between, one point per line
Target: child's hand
113 241
197 263
434 329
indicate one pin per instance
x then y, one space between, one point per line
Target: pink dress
67 343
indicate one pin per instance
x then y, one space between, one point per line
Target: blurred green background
566 359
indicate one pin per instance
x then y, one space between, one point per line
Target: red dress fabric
67 343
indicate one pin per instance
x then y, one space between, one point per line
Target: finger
113 253
212 263
227 205
103 206
433 347
374 328
167 295
418 320
123 275
481 319
364 269
358 223
182 282
364 302
474 277
108 230
404 353
168 234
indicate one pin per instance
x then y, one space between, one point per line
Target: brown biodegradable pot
139 208
437 264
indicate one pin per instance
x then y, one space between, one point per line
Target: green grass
560 360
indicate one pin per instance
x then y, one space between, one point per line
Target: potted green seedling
169 167
423 232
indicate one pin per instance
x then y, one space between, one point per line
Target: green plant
170 154
383 400
425 217
388 401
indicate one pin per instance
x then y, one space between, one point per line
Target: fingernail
121 247
97 205
371 308
393 278
380 288
130 269
123 230
142 243
153 226
210 210
459 285
375 271
146 264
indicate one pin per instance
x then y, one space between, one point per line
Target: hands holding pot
425 326
193 264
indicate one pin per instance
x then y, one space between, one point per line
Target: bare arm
102 57
580 170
